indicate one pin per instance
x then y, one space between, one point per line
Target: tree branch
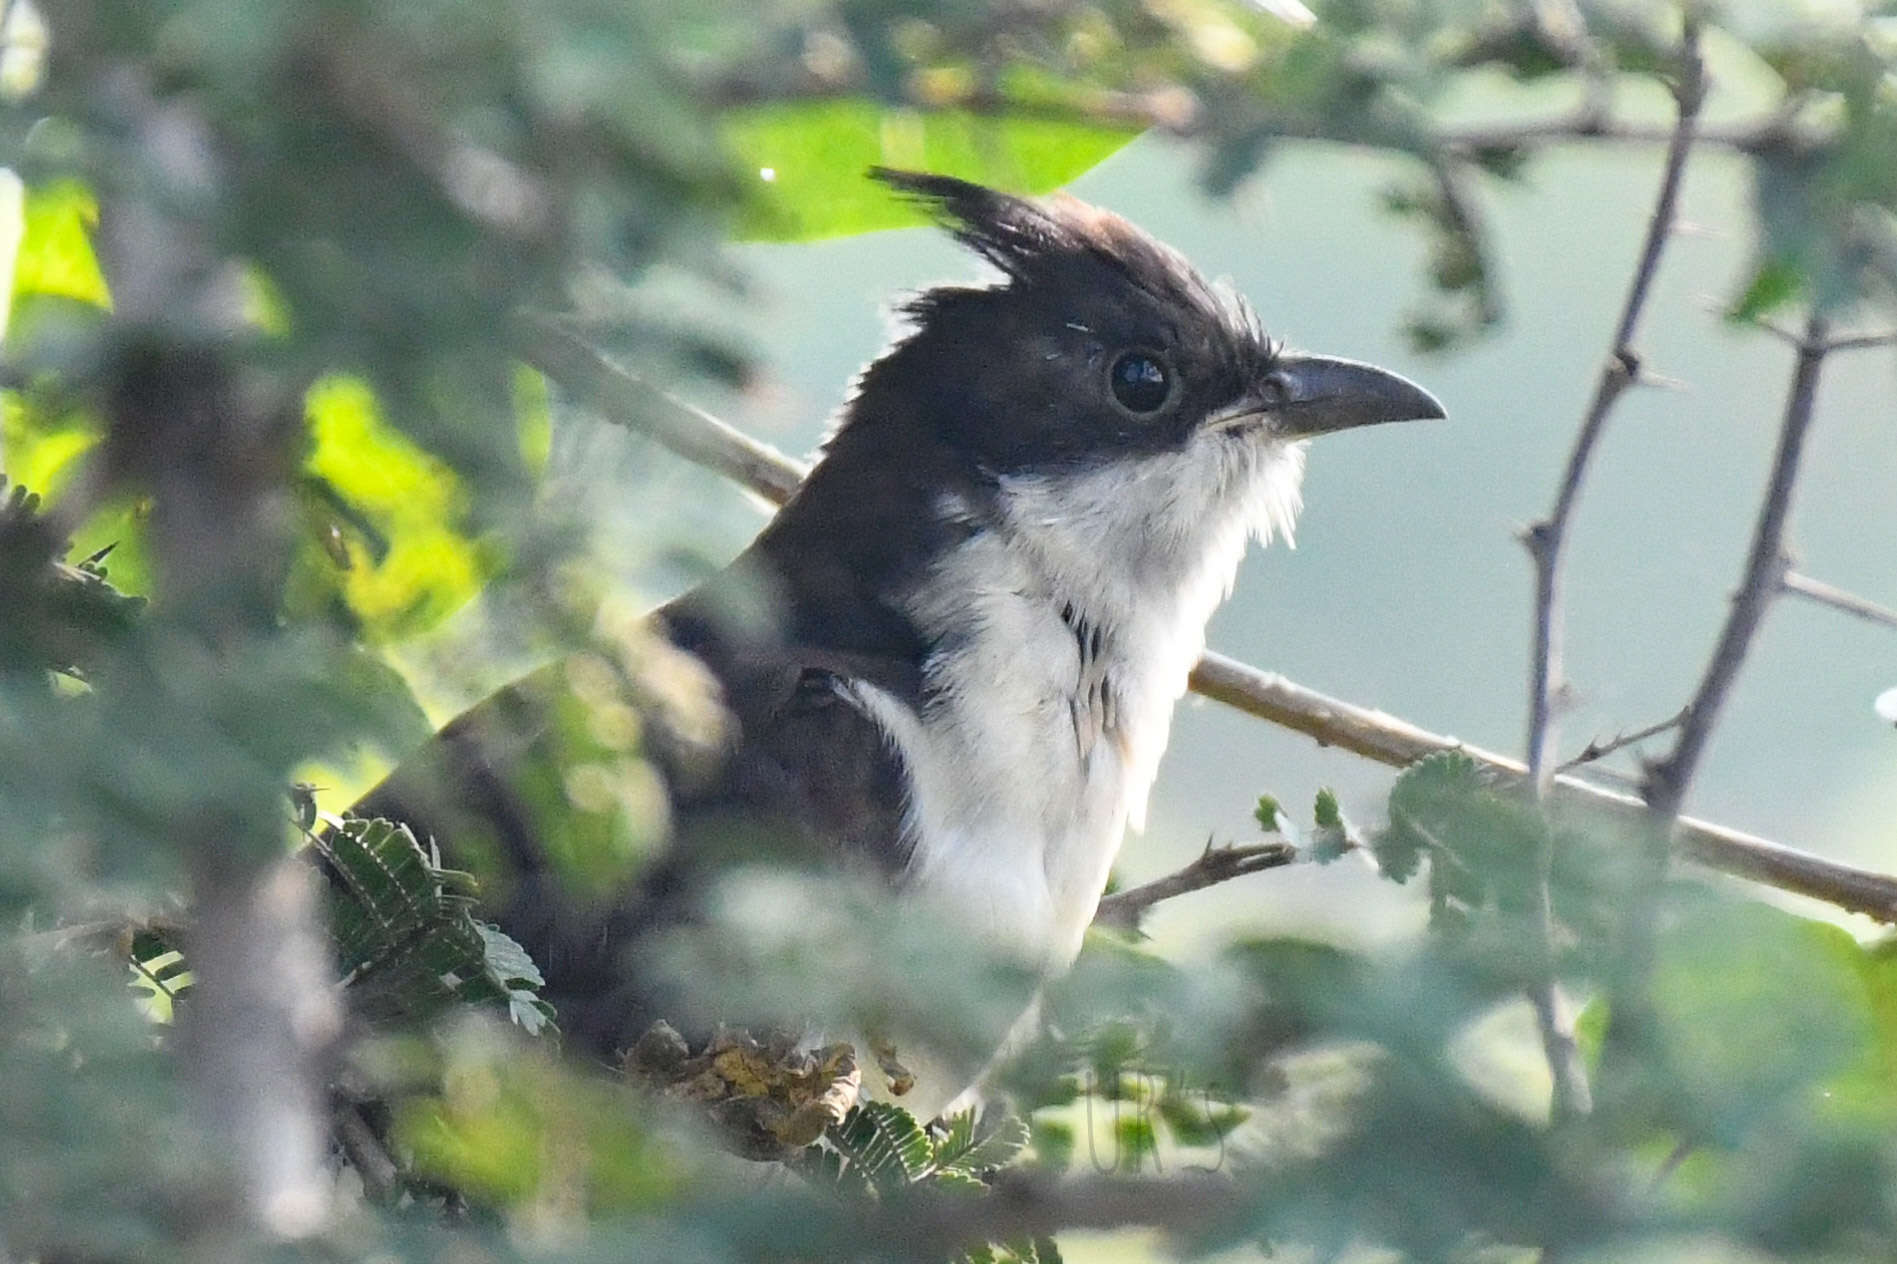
1766 569
210 437
1329 721
1837 598
595 382
1123 909
1630 1027
1621 741
1621 370
1179 112
1545 540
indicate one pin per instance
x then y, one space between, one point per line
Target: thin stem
1766 569
1837 598
1861 342
1621 741
1630 1029
1620 371
1545 539
1123 909
1179 112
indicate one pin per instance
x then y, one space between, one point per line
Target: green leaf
407 943
1269 814
56 257
1199 1122
1757 1008
1775 282
883 1146
1326 811
385 523
808 161
975 1144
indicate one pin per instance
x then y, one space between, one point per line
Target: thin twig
381 1177
1179 112
1837 598
1766 568
1621 741
1861 342
1266 695
1123 909
616 393
1545 540
153 979
1619 372
1630 1026
1799 340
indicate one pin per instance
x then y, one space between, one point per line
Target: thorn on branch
1620 741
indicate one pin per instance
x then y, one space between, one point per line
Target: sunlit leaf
56 257
807 161
385 522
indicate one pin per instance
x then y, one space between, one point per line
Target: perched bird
984 602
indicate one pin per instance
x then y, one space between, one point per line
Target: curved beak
1318 394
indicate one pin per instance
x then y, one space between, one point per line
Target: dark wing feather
804 774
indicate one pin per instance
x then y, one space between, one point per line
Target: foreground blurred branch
589 376
1178 111
210 438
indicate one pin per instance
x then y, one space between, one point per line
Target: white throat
1067 625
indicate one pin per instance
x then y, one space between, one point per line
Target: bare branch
1766 568
1389 740
1545 540
1621 370
1631 1026
1621 741
1178 111
621 396
1329 721
1837 598
1123 909
381 1177
1861 342
1799 341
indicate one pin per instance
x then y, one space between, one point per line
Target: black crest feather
1061 239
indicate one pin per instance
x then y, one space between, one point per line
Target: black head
1101 390
1098 342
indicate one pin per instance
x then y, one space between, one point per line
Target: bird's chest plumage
1036 743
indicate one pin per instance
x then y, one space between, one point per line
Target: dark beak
1313 395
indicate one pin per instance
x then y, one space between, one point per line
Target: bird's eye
1140 382
1275 390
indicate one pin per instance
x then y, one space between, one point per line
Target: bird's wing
520 791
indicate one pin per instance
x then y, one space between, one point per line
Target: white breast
1016 817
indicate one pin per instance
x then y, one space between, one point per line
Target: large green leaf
386 535
808 161
56 257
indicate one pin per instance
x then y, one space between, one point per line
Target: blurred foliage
338 208
811 158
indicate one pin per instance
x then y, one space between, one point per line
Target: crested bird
982 605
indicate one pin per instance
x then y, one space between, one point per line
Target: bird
980 607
